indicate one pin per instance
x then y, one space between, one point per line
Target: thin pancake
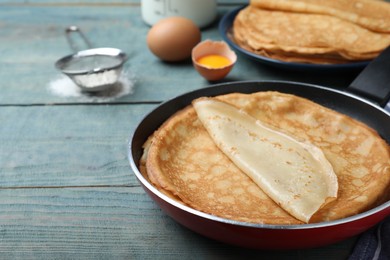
305 37
183 161
295 174
370 14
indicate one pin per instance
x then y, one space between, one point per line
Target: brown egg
172 38
213 59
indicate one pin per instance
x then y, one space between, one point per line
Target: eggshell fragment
209 47
173 38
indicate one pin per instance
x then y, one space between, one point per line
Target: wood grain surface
66 187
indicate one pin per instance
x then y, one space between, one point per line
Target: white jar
201 12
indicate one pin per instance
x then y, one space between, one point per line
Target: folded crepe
295 174
182 161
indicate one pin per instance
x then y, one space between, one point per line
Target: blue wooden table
66 188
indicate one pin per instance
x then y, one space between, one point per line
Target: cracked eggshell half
218 49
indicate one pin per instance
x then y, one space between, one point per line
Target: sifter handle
74 29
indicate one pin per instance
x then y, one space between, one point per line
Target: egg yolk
214 61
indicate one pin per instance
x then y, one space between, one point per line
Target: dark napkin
374 81
374 244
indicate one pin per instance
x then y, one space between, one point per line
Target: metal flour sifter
93 69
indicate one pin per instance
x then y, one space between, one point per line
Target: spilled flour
65 87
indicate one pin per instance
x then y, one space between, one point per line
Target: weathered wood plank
66 189
85 145
67 145
97 2
112 223
33 39
102 2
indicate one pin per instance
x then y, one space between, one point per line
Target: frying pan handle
374 81
387 107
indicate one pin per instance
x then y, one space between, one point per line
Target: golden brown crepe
293 173
373 15
312 32
182 160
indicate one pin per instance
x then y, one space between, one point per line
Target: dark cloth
374 244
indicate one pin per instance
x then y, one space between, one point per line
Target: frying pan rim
207 216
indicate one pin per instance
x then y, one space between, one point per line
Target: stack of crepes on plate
202 157
312 31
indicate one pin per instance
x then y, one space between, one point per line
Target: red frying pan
373 83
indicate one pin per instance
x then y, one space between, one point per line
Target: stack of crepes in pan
196 167
312 31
